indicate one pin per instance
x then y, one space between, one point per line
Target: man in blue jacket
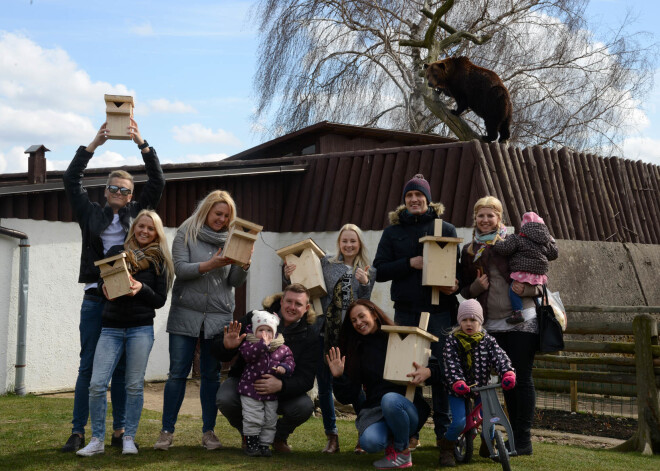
101 228
399 260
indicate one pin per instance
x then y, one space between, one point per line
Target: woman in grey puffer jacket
202 305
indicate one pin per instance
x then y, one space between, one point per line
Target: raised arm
153 189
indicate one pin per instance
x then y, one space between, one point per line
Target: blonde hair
486 202
123 174
361 259
194 223
162 241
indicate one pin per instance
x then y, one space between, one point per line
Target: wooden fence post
574 390
647 437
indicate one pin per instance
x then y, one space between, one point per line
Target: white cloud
45 98
14 161
642 148
34 78
43 126
196 133
162 105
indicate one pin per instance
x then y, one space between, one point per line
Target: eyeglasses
122 190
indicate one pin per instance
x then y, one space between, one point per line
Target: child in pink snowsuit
264 353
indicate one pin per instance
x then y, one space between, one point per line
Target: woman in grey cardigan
202 305
347 277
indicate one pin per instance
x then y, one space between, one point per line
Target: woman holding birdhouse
347 277
202 305
387 419
128 327
486 278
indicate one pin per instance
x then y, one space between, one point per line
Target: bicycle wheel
502 454
464 448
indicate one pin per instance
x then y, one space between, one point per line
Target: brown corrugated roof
580 196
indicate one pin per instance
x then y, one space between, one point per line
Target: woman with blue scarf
485 276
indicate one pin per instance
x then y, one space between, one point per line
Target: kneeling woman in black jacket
128 326
387 419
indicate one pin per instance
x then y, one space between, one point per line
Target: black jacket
303 340
372 350
398 244
139 310
94 218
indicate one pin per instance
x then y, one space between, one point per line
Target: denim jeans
400 422
90 330
182 350
136 344
439 325
521 400
326 401
458 418
516 300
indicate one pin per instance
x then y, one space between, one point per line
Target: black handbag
551 337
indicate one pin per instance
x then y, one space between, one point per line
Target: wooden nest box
306 256
115 275
439 261
119 111
405 346
240 240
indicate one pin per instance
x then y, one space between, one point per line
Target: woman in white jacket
202 305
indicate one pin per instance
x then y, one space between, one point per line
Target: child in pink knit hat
469 355
529 252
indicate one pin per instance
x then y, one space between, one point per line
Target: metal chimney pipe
23 285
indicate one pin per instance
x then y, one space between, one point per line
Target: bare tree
361 62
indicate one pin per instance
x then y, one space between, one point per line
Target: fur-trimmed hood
395 216
272 304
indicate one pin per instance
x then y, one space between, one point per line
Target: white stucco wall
55 297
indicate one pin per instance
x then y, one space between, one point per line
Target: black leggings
521 400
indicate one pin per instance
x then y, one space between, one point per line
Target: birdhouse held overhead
306 256
119 111
240 240
114 272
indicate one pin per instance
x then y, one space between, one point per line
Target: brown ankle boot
447 453
333 443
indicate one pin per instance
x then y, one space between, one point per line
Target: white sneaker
164 441
94 447
128 446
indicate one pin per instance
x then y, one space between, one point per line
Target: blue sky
189 66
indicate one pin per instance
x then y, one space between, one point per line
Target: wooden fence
582 196
637 363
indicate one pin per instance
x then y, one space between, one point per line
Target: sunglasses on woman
122 190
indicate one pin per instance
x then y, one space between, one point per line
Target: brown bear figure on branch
476 88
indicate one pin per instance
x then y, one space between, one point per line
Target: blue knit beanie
420 184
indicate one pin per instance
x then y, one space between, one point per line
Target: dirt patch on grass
585 424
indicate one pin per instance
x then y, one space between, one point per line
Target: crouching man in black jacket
297 325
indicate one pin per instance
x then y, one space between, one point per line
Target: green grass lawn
32 430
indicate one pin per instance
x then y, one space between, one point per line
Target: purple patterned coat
258 362
487 355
